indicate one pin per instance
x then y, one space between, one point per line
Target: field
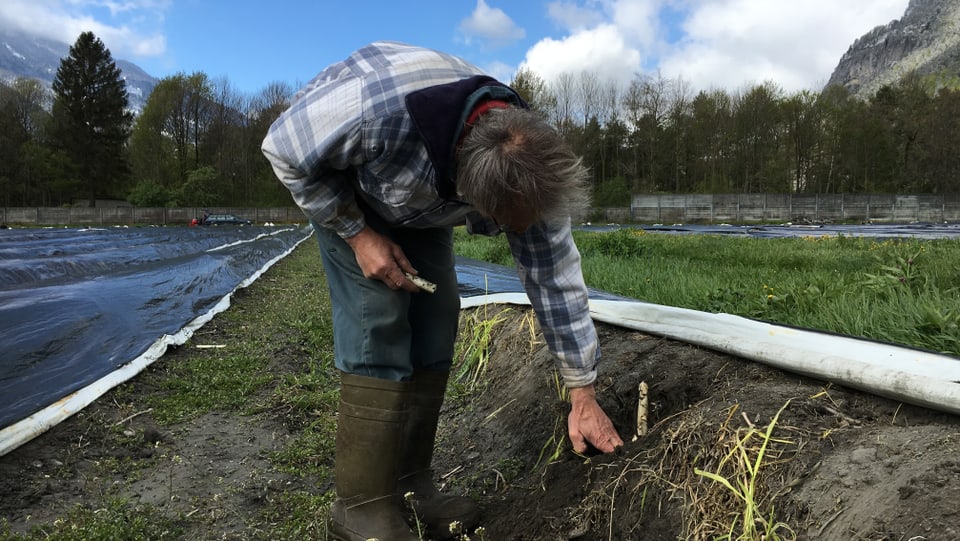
230 435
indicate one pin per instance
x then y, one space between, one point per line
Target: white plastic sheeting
905 374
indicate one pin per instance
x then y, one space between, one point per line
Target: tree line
195 143
656 136
197 140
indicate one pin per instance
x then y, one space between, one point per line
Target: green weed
472 352
739 472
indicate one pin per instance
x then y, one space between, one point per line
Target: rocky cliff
925 40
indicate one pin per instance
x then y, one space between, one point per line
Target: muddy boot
370 438
432 508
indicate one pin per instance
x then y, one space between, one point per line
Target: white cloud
732 43
725 44
638 20
492 26
65 20
573 17
601 50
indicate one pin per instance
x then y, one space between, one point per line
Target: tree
646 104
757 131
564 91
152 154
23 118
91 121
902 108
262 110
712 117
202 188
679 114
28 104
802 127
533 89
182 129
838 111
939 135
587 91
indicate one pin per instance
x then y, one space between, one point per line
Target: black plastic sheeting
76 304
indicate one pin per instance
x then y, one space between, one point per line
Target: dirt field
838 465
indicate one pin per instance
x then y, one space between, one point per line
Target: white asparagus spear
421 283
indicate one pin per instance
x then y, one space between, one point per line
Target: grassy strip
901 291
116 519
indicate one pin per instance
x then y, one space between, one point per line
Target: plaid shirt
349 136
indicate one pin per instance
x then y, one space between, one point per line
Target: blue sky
729 44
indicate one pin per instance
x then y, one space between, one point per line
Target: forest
197 140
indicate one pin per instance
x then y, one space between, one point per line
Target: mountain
925 40
27 55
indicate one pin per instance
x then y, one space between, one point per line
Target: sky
708 44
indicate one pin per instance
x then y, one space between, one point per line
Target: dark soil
840 464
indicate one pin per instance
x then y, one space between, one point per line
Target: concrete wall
824 208
139 216
659 208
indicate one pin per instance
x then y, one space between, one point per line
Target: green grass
292 323
116 519
298 515
901 291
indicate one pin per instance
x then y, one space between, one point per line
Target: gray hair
512 159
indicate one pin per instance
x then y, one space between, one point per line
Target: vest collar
440 114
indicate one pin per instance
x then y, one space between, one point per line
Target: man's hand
588 422
382 259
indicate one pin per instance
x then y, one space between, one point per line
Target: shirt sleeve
312 147
549 267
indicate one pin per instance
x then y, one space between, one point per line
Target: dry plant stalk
691 440
530 322
743 504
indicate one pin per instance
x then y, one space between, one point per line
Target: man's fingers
579 443
605 442
402 261
397 279
608 443
587 422
573 432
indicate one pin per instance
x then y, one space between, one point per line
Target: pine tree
91 121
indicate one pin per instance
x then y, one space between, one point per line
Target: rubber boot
431 508
370 437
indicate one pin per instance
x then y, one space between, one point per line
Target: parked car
222 219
